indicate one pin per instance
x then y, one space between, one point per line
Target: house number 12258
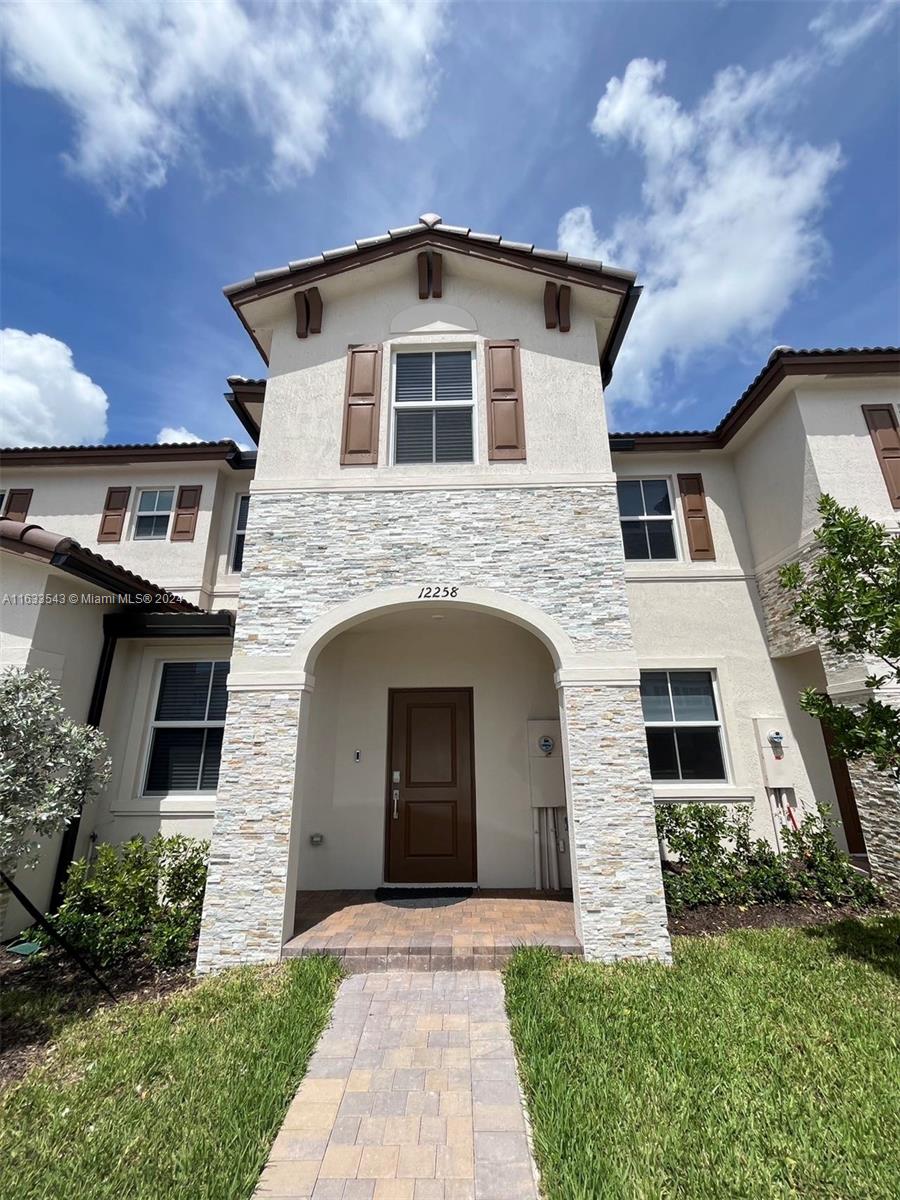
438 593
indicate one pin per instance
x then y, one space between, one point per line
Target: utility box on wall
777 751
545 763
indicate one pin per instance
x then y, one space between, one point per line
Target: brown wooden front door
430 789
846 798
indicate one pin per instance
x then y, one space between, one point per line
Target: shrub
717 861
140 900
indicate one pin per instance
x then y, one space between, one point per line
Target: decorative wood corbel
310 309
557 306
429 265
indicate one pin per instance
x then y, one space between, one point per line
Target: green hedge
715 860
139 900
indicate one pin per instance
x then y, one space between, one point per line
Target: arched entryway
434 761
305 798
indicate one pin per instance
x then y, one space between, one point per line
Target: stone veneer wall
784 633
619 878
877 795
558 548
243 910
878 801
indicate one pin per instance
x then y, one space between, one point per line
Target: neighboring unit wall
65 640
70 500
123 811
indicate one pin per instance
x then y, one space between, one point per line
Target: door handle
396 813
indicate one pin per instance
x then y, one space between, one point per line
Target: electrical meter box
777 751
545 763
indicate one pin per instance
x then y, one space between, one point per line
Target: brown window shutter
882 422
696 518
184 523
359 443
17 504
422 267
112 522
437 275
506 418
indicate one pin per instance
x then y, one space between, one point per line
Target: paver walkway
411 1094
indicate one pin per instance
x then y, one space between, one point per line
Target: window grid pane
683 730
414 436
186 736
434 407
647 520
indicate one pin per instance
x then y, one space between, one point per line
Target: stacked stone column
249 899
620 909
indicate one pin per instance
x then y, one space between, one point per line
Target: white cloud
177 433
729 226
44 401
140 79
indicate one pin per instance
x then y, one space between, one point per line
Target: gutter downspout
95 712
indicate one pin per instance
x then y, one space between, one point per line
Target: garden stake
48 928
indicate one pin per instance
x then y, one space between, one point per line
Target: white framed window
185 745
154 511
434 406
242 508
647 517
683 726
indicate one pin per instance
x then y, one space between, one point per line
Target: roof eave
269 283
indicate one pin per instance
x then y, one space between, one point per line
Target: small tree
49 766
850 595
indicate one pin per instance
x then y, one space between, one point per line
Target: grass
763 1064
178 1098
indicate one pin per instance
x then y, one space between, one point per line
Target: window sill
664 792
175 804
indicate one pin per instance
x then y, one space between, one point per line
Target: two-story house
444 629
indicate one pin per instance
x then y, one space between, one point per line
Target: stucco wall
778 482
511 675
565 423
841 446
64 640
122 811
716 625
723 504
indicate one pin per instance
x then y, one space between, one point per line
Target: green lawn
763 1064
176 1099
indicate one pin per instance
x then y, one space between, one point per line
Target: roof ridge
778 355
427 223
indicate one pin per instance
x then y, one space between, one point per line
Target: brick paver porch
479 932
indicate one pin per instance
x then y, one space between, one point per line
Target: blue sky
743 158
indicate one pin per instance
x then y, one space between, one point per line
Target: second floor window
648 523
433 407
153 513
240 532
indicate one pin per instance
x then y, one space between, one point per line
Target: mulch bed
24 1041
713 919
